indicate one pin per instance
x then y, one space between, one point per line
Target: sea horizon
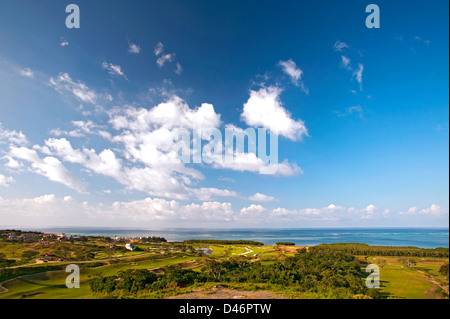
423 237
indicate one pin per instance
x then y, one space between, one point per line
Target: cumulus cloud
258 197
12 136
149 146
264 108
156 211
5 181
50 167
143 152
434 211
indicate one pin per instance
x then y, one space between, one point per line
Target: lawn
400 282
51 284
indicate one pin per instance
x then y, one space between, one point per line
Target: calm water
418 237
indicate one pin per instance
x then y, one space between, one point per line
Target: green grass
400 282
51 284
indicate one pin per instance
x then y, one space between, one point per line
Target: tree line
364 249
223 242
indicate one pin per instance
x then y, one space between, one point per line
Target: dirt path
432 280
3 289
226 293
248 251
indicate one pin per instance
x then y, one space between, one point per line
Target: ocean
416 237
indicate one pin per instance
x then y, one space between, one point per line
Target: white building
130 246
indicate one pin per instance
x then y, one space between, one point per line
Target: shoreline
400 237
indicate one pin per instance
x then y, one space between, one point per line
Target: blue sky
374 104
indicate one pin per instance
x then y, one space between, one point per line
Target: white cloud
113 69
434 211
12 163
105 163
295 73
148 138
27 72
134 48
179 69
208 193
258 197
49 167
157 210
255 213
165 58
81 129
12 136
411 211
159 48
358 74
340 46
356 109
5 181
249 162
64 83
144 155
368 212
346 62
264 108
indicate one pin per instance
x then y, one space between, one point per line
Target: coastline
416 237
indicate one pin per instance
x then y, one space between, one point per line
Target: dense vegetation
363 249
443 270
223 242
285 243
153 239
306 272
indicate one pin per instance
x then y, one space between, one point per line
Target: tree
408 262
29 254
444 270
214 268
381 263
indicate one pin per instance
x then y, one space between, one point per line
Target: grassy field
400 282
51 284
397 280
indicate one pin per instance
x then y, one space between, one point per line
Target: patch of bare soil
226 293
293 249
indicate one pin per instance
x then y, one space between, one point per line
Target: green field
400 282
51 284
422 280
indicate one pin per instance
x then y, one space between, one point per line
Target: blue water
417 237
